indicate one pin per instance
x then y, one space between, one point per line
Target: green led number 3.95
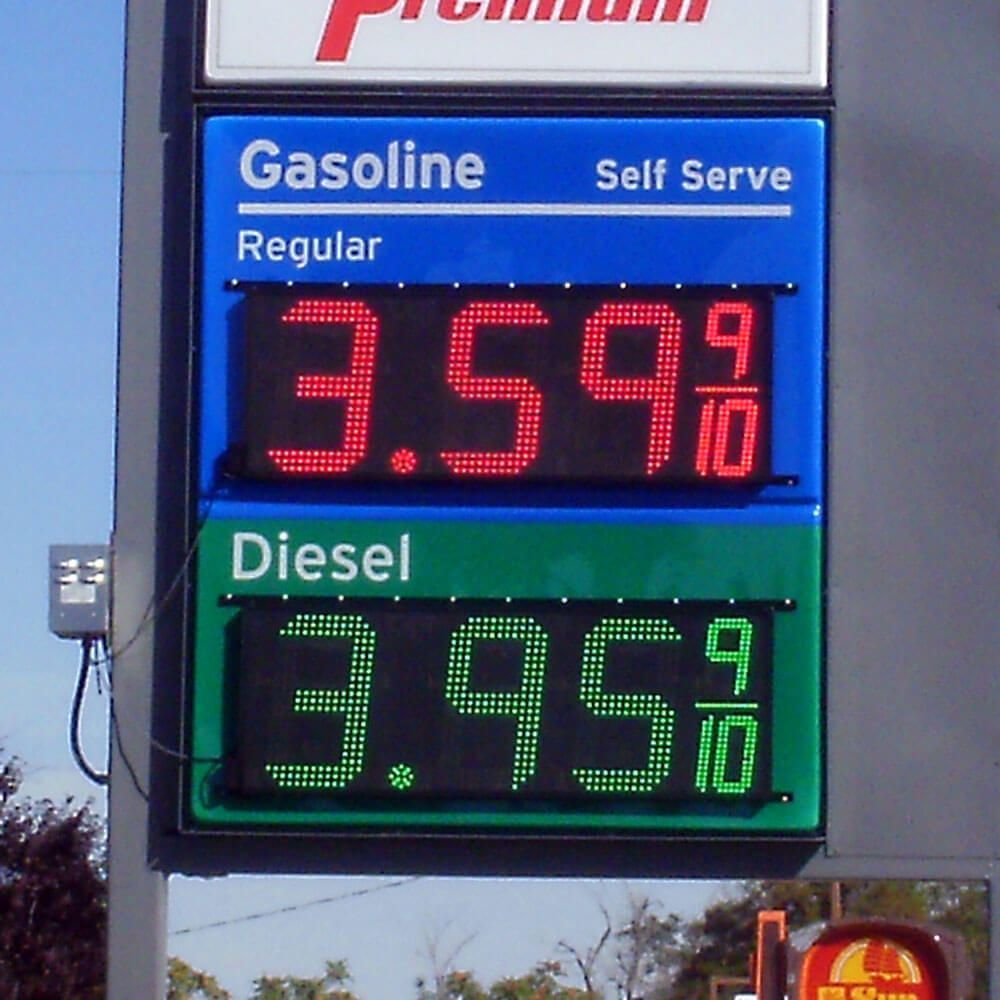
573 700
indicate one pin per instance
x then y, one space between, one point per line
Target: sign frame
790 245
602 44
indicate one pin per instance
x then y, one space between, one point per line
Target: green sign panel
423 674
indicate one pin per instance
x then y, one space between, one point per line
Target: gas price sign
510 449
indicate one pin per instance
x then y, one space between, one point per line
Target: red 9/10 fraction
580 383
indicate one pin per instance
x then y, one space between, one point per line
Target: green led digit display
524 703
564 700
726 725
351 702
717 652
610 704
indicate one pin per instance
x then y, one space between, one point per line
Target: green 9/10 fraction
570 701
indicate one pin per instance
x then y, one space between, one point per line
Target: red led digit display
528 412
354 387
659 388
494 383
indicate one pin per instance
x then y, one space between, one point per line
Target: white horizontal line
515 208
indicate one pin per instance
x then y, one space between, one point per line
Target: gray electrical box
78 590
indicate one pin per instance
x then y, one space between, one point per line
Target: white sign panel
692 43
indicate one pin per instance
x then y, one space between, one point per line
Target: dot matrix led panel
510 459
568 383
526 699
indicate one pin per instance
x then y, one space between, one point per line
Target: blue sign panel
691 204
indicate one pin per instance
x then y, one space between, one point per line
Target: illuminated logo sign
867 968
703 43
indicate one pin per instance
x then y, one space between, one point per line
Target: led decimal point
401 777
404 461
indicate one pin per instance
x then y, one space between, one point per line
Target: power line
297 906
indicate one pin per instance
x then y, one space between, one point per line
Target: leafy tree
53 896
330 986
541 983
452 985
718 944
963 907
187 983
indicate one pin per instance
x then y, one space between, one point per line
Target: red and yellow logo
868 968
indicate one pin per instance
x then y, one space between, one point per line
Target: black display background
582 440
461 756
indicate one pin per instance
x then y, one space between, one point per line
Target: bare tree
646 952
441 959
586 960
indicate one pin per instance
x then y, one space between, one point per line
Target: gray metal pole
137 916
994 921
137 895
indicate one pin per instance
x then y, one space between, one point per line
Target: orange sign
870 967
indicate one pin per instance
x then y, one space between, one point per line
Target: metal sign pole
137 895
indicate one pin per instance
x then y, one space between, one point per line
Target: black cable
76 749
155 606
115 730
117 733
293 907
106 662
187 757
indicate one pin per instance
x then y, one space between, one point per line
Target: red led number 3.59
540 384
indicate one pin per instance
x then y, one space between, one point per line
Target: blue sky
60 122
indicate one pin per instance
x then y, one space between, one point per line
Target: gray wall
914 714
